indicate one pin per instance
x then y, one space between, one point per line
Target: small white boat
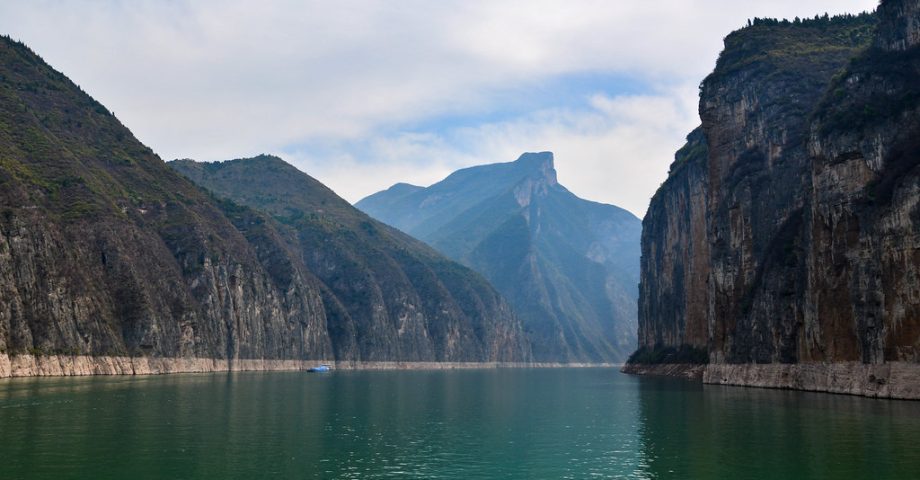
321 368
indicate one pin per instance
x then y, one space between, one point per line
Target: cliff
107 252
787 232
568 266
400 298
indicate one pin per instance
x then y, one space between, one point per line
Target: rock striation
106 252
568 266
785 243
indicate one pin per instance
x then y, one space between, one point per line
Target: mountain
111 262
568 266
401 298
784 247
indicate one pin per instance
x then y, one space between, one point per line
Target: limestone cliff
675 254
787 231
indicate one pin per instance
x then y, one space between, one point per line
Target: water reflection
460 424
479 424
696 431
515 424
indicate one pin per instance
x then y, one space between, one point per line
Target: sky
365 94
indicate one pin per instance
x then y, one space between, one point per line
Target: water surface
514 423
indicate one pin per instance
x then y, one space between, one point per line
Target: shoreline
18 366
892 380
679 370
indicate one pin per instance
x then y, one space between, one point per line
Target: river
462 424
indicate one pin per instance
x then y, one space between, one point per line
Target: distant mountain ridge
569 267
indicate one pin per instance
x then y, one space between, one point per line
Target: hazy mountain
569 267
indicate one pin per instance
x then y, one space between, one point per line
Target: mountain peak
536 159
263 159
403 187
541 162
568 266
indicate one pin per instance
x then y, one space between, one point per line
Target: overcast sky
362 95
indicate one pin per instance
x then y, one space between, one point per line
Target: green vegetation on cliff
786 46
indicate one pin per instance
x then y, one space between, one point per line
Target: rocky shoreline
682 370
83 365
893 380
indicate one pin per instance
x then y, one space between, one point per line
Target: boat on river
321 368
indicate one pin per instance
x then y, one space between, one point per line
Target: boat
321 368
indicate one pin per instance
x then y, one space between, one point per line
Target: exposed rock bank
896 380
82 365
900 380
680 370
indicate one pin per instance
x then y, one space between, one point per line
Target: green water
553 423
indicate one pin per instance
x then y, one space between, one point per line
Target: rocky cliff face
568 266
104 250
755 108
863 260
787 230
675 254
399 298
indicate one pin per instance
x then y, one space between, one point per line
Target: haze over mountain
569 267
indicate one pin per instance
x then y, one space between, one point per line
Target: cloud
632 136
363 94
